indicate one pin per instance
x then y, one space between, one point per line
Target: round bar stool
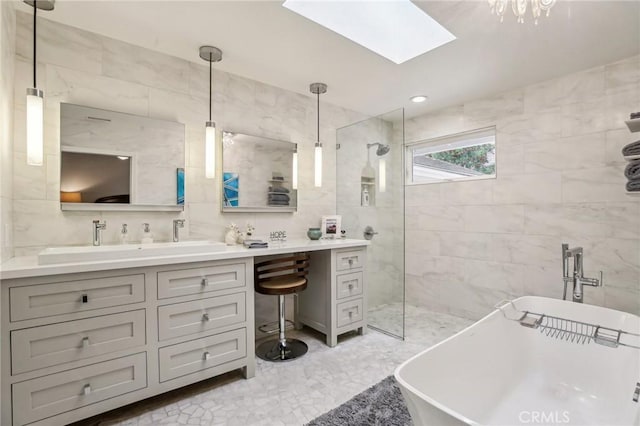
282 276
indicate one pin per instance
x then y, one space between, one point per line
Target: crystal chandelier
519 8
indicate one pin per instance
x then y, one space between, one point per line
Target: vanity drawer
349 312
352 259
39 347
349 285
42 300
200 280
196 355
200 316
57 393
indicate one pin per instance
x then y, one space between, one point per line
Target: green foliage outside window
473 157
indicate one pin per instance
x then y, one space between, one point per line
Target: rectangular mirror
257 174
116 161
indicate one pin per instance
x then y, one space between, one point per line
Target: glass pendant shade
294 173
318 165
35 127
210 150
382 175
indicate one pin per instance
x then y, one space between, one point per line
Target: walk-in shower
370 199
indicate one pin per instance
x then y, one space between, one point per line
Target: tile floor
297 392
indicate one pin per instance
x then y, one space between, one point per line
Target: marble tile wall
88 69
7 58
560 179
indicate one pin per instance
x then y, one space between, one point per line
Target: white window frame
446 141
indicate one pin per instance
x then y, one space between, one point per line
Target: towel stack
255 244
278 195
632 171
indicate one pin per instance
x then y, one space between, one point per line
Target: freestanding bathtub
499 372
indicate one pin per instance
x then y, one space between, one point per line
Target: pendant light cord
210 84
318 105
35 8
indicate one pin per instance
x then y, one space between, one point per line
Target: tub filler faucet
578 279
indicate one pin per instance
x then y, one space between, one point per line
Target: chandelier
519 8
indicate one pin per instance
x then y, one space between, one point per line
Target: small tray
633 125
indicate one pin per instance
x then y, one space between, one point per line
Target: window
463 156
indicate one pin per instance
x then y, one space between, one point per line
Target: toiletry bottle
147 236
124 234
365 197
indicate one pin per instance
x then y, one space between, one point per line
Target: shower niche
368 187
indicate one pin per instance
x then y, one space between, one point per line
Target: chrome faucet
97 227
177 224
578 279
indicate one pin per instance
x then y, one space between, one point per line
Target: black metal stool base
272 350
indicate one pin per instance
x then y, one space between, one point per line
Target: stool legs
282 349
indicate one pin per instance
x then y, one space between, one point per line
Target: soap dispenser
124 234
147 236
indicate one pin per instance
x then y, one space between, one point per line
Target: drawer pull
86 389
205 317
206 356
350 286
350 314
85 342
350 261
205 282
85 298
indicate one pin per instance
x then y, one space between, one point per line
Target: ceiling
264 41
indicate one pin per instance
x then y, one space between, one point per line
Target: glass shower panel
370 199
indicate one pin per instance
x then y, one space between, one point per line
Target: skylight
395 29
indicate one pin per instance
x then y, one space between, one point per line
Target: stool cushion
284 285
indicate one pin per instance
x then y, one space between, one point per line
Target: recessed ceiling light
122 157
418 99
397 30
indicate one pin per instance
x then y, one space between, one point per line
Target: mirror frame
257 209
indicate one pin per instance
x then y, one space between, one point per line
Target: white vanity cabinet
75 345
340 306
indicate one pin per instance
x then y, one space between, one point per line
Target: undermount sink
54 255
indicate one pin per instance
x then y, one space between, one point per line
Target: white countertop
27 266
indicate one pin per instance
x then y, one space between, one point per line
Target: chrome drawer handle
350 314
206 356
85 342
205 282
350 286
350 262
85 298
205 317
86 390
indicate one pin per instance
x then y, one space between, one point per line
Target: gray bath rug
381 405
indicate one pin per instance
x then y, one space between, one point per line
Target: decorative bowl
314 233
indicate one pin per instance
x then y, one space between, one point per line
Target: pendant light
35 99
210 54
294 166
317 89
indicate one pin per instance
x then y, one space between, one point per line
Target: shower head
382 148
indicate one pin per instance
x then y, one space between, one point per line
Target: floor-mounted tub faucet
177 224
97 227
578 279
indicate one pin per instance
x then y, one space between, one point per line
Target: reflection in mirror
95 178
257 174
127 161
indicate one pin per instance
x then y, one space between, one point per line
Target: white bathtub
497 372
